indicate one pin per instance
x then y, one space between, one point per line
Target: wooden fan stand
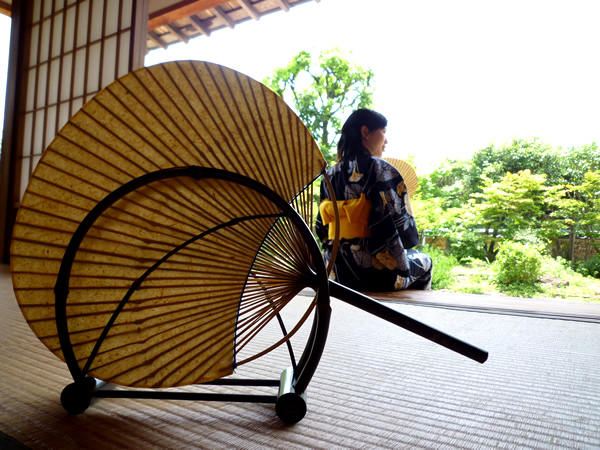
290 401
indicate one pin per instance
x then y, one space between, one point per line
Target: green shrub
558 267
530 238
466 245
517 263
442 267
590 268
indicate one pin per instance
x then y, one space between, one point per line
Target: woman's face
374 140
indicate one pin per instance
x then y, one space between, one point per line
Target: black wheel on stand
291 408
77 397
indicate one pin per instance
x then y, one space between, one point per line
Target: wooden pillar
62 52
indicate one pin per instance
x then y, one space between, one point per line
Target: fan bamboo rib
200 305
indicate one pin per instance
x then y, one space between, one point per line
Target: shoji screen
62 53
76 49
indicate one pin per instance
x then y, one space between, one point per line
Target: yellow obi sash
354 217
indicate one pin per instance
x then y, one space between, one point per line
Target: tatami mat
377 386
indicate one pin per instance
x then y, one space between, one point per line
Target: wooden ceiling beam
217 11
198 24
180 10
5 8
283 5
195 14
179 33
158 41
245 4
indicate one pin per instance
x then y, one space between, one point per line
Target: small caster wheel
76 397
290 408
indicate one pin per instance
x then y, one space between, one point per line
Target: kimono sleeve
398 204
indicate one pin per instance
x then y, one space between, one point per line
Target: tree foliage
576 208
503 207
524 184
456 180
323 89
518 155
448 181
578 161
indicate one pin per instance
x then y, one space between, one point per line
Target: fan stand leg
290 406
76 397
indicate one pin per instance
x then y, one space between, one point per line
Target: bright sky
451 76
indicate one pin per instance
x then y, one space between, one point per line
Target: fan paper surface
408 173
192 316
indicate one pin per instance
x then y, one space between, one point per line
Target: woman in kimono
377 226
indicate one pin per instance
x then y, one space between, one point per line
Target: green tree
568 206
515 202
432 218
446 183
323 89
573 209
576 208
515 156
456 180
578 161
589 193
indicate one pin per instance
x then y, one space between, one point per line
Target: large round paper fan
192 316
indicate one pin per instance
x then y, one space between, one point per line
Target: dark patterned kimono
385 261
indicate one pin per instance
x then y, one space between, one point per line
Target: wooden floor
541 308
377 386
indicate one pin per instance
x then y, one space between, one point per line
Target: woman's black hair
351 141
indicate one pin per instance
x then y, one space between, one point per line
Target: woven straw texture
377 386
